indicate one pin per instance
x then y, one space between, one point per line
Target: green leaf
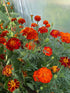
17 91
30 86
6 85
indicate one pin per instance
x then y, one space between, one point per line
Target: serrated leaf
30 86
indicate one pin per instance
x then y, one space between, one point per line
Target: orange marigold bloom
20 26
2 40
30 33
43 75
13 43
45 22
1 27
48 25
2 56
65 61
37 18
34 25
4 33
13 84
7 70
30 45
55 33
43 29
8 3
55 69
47 51
21 21
14 19
65 37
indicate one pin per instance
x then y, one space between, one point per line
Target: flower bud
52 57
55 76
47 40
41 88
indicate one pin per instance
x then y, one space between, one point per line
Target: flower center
65 60
12 42
13 84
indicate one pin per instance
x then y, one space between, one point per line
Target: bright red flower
55 33
48 25
2 40
34 25
20 26
21 21
4 33
37 18
65 37
13 43
7 70
47 51
65 61
13 84
30 45
43 75
30 33
2 56
14 19
43 29
45 22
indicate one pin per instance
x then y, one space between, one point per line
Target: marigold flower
55 33
1 27
64 61
34 25
45 22
30 33
11 7
8 3
13 43
43 29
47 51
13 84
48 25
55 69
37 18
24 73
2 56
20 26
43 75
30 45
65 37
21 21
14 19
7 70
2 40
4 33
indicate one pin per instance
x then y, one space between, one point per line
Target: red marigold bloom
30 33
47 51
2 40
55 69
7 70
37 18
4 33
14 19
48 25
64 61
45 22
21 21
65 37
34 25
30 45
13 43
55 33
13 84
43 75
43 29
2 56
